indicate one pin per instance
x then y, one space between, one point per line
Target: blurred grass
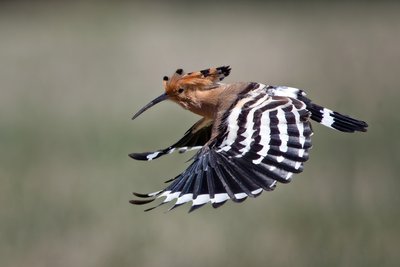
72 74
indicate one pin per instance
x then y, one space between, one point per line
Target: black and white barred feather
263 138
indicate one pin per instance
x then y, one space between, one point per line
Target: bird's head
184 88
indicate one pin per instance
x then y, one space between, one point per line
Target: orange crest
200 79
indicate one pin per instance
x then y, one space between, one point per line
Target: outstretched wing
262 140
194 138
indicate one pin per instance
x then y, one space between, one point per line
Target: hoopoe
251 136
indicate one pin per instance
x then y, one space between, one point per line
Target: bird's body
251 136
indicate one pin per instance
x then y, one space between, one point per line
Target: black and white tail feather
264 138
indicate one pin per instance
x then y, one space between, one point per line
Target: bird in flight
250 137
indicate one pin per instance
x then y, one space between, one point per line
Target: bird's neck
204 102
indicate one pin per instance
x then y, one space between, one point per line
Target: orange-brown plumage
200 80
197 91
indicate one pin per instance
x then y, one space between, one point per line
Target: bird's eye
180 90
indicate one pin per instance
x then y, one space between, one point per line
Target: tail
335 120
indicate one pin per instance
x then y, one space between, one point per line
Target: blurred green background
73 73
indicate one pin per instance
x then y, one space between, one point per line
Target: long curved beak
149 105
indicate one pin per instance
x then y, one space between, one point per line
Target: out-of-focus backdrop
73 73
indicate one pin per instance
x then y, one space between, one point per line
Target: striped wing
194 138
262 140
